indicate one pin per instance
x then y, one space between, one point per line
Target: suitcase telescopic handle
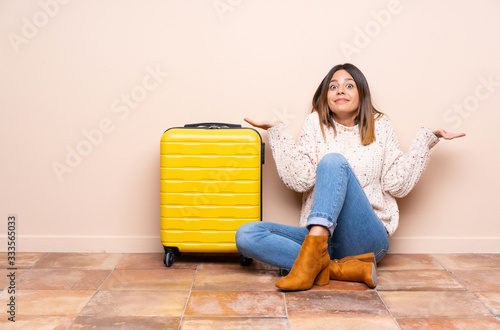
213 125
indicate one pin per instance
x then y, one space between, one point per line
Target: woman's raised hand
441 133
262 124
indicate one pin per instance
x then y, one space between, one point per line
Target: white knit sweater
383 170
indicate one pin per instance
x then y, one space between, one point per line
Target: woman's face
343 98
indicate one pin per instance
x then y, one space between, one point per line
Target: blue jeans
340 204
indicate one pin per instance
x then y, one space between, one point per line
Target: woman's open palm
262 124
441 133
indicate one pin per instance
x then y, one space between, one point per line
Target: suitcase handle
213 125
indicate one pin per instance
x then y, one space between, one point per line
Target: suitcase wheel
244 261
168 259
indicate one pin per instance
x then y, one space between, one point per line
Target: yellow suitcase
211 183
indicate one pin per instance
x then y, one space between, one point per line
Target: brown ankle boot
367 257
354 270
310 267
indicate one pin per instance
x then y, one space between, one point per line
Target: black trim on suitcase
212 125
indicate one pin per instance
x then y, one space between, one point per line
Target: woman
348 164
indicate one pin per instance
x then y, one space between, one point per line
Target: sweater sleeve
296 162
401 171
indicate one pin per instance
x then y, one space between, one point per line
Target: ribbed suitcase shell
210 185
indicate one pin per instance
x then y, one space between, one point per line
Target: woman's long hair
366 111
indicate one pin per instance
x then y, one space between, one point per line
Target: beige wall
88 87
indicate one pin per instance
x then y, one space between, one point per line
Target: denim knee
244 235
380 255
332 160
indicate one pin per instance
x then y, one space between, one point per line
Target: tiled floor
135 291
